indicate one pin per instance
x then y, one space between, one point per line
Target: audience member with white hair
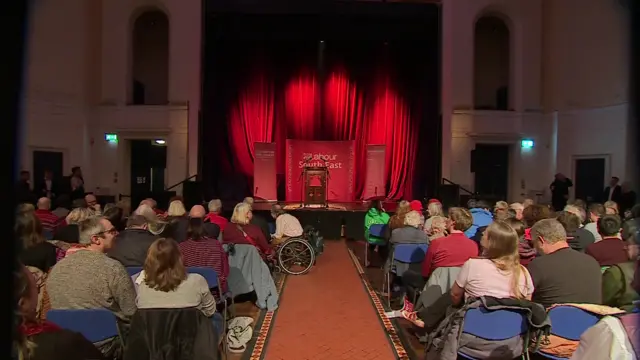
176 209
69 232
241 231
411 232
438 228
215 214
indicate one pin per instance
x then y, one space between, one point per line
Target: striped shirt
206 252
48 219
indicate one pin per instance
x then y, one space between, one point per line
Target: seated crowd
86 260
524 252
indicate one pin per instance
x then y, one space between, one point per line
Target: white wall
78 82
568 89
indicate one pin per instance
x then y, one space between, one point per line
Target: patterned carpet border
258 344
392 333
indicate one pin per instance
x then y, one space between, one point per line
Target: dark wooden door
490 163
47 160
589 179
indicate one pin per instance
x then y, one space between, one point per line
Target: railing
447 181
181 182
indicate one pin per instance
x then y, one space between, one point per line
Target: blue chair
408 254
214 282
377 230
494 325
569 322
94 324
48 234
132 270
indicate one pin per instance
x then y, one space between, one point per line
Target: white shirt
605 340
287 225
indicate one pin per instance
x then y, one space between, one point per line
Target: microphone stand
300 180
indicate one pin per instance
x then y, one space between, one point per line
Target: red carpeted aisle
327 314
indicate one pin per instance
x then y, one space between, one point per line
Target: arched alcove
492 64
150 61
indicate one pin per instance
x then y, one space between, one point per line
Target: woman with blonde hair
176 209
498 273
397 220
434 208
36 251
69 231
241 231
611 207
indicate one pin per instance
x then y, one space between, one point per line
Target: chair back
48 234
207 273
94 324
132 270
504 324
377 230
570 322
410 253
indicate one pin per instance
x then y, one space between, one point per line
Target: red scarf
36 328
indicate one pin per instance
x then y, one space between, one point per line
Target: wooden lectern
315 185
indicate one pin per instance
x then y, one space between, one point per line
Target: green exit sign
112 138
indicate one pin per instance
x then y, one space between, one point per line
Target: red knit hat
431 201
415 205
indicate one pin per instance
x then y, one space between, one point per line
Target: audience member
578 211
176 209
180 225
260 221
518 208
25 208
437 229
613 191
48 220
35 250
34 339
498 272
526 251
577 237
115 215
434 208
131 245
165 284
202 250
397 220
595 212
92 202
500 210
611 208
78 203
482 218
411 232
215 214
617 281
70 233
611 249
454 249
562 275
89 279
527 202
376 216
287 225
241 231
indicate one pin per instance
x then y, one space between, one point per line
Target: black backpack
315 239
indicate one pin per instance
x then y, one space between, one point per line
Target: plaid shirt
206 252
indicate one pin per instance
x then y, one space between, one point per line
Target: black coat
171 334
617 191
131 246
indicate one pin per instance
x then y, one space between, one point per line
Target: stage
329 220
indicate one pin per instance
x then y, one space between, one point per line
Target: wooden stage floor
360 206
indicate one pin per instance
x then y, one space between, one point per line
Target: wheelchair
296 256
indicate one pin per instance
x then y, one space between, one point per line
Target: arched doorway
150 66
492 64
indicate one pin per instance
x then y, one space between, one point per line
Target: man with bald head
92 202
48 219
181 226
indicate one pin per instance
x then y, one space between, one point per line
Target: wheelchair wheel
296 257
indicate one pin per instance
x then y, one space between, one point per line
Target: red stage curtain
345 119
301 106
390 123
251 120
378 116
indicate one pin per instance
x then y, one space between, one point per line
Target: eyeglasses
111 231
